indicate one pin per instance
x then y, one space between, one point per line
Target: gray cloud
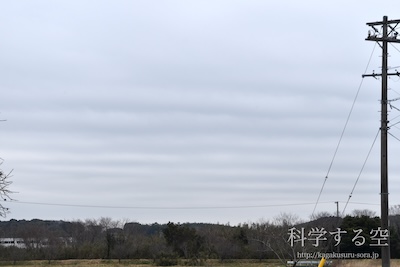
188 111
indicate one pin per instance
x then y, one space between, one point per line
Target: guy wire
342 134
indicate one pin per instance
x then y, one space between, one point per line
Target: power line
359 175
342 134
394 136
161 207
394 47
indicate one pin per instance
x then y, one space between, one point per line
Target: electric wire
394 125
395 47
393 136
352 191
168 207
342 134
363 203
160 207
359 175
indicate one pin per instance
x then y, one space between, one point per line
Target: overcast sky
191 111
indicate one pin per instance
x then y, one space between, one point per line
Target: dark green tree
184 240
364 224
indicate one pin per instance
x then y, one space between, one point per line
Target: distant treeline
105 238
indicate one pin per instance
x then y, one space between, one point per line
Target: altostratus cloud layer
204 111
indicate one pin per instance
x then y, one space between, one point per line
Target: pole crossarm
390 34
381 39
380 74
381 22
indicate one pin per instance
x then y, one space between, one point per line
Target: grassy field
139 263
209 263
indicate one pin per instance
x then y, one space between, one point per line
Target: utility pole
337 209
338 223
387 34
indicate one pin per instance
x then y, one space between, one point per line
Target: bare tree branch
5 192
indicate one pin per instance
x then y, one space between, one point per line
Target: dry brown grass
79 263
138 263
209 263
365 263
